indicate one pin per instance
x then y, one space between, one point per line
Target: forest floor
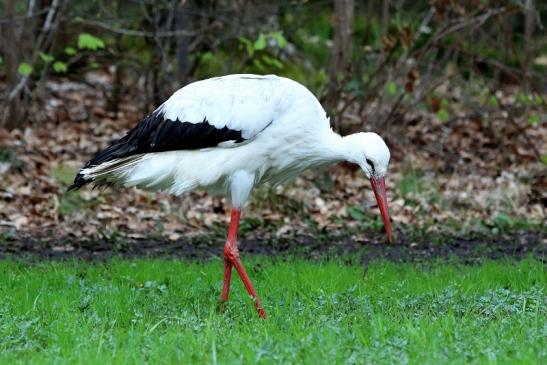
455 181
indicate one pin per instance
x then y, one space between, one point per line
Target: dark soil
470 249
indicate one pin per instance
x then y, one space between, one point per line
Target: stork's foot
231 259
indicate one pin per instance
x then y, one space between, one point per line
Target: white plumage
284 126
247 103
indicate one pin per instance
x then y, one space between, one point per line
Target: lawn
166 311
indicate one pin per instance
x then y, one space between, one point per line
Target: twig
143 33
30 9
475 21
51 13
39 44
17 89
393 109
459 24
26 16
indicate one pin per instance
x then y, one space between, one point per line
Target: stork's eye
370 164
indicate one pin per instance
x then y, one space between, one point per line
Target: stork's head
370 152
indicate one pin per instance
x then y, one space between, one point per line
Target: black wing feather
157 134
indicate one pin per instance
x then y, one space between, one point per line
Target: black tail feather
126 146
157 134
79 182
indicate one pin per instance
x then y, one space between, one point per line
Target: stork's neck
336 148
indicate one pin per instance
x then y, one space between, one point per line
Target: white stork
228 134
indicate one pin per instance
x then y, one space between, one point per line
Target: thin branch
17 89
13 93
143 33
460 24
26 16
50 15
30 9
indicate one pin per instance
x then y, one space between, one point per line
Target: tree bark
340 66
529 25
385 26
12 112
181 23
115 98
342 46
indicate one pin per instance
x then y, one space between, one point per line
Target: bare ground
468 249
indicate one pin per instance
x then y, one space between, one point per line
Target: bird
228 134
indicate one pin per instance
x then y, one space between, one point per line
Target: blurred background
457 89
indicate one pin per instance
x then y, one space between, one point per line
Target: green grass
165 311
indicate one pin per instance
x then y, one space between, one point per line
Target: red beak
379 188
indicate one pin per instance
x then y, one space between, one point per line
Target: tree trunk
340 61
114 101
11 112
181 23
342 47
529 25
385 27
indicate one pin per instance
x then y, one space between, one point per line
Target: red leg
227 277
231 259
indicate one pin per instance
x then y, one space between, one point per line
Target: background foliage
393 54
457 88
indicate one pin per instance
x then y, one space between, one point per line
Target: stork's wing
220 112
